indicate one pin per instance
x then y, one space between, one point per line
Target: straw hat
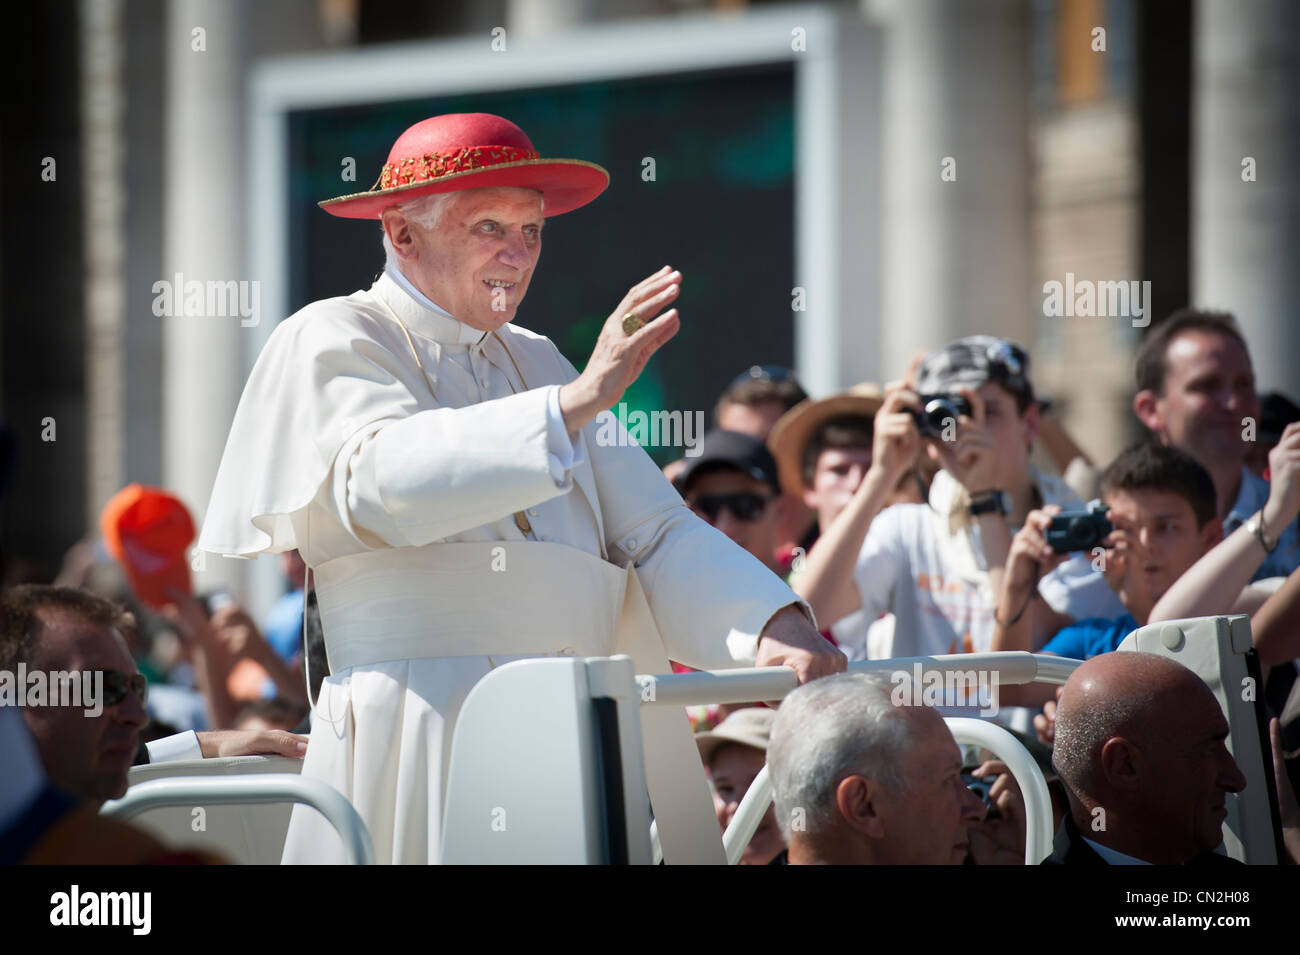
791 433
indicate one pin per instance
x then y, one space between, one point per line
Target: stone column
210 50
1246 234
957 254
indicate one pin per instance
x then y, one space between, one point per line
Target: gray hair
427 213
424 211
829 729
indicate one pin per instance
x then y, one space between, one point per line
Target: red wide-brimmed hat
147 531
471 151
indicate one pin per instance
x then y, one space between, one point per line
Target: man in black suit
1140 747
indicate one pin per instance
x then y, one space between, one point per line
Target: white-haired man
438 469
859 781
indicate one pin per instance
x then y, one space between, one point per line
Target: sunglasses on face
117 683
746 506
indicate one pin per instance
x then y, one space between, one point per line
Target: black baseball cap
734 451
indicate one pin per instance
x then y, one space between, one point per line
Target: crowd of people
911 535
907 535
905 542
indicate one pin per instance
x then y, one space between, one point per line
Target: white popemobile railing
550 757
253 789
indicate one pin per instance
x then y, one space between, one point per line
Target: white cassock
402 488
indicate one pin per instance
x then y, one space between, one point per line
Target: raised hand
1124 569
618 357
972 458
1284 482
1030 556
896 440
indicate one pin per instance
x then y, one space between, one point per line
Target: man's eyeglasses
117 683
746 506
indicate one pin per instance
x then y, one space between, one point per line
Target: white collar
424 316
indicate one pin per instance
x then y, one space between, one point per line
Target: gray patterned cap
970 362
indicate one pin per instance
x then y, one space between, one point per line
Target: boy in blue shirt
1162 503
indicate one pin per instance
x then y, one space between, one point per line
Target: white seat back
1215 649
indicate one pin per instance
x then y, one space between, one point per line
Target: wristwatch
990 502
1256 527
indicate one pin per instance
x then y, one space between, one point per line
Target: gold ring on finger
632 323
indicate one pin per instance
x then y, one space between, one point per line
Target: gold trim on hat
426 183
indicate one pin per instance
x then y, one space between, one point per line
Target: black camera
1079 530
937 411
980 786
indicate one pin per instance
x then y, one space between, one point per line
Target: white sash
520 597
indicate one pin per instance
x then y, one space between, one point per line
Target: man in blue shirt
1196 392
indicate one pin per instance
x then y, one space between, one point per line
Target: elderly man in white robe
438 469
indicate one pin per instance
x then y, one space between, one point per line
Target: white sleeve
1077 590
171 749
443 471
564 455
879 563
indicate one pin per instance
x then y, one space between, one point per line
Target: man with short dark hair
1196 392
62 631
756 399
59 629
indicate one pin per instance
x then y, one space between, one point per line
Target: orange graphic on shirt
967 645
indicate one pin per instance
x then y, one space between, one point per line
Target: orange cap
148 531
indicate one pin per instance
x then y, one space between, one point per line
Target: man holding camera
939 566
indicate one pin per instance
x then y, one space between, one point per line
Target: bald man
1140 747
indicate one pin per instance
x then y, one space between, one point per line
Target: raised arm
1214 583
1276 626
405 488
1029 558
827 578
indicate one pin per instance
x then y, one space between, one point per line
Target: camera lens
937 413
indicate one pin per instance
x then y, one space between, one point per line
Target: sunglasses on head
761 373
745 505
